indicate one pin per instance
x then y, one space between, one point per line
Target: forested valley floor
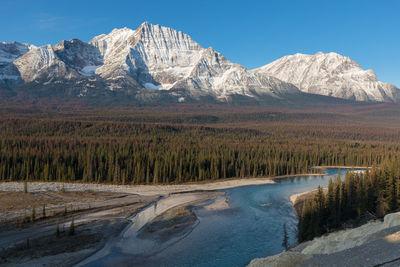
189 143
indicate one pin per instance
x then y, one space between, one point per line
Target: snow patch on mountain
89 70
157 87
152 86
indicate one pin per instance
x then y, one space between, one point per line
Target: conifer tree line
358 196
148 153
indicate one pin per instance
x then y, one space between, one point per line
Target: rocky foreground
376 243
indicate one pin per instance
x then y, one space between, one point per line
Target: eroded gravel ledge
376 243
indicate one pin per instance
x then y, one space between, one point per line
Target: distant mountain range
154 64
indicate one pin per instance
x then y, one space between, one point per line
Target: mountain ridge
151 63
331 74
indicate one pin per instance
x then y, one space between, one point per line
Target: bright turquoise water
252 228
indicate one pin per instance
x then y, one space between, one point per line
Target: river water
251 228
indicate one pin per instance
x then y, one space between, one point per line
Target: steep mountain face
9 52
155 56
80 56
151 62
214 75
331 75
41 64
161 58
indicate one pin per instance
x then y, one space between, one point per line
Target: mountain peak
330 74
119 31
146 24
320 53
147 27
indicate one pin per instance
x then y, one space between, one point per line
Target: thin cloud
51 22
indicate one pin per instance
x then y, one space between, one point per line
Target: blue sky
252 33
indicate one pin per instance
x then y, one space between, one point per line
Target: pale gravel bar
145 190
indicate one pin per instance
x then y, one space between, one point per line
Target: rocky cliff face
331 75
83 57
155 56
9 52
41 64
214 75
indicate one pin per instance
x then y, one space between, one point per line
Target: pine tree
57 229
71 228
155 177
285 241
25 218
33 214
331 205
25 187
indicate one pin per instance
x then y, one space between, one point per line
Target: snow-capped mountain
331 75
155 56
155 63
141 62
161 58
215 75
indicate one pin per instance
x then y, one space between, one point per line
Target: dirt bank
376 243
